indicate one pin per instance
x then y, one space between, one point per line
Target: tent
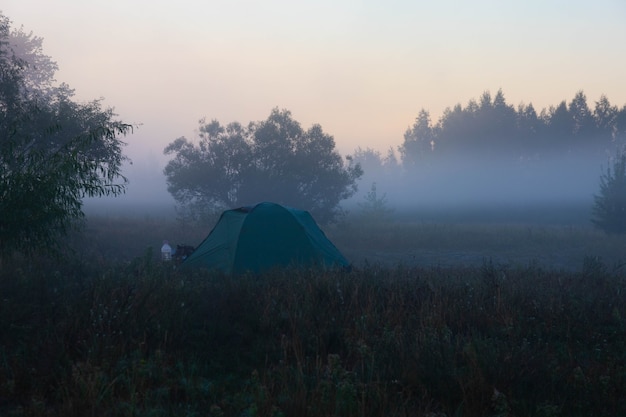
264 236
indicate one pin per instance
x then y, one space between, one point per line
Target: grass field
433 244
434 320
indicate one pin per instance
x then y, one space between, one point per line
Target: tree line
490 126
490 147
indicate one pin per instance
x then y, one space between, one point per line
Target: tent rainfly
267 235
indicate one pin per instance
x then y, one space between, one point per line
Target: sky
361 69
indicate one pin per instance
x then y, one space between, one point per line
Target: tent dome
264 236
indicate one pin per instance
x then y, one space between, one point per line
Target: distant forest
489 150
491 126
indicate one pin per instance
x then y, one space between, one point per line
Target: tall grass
144 339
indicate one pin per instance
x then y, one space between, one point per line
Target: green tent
264 236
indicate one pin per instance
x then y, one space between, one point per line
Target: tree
53 151
419 140
271 160
39 69
581 115
609 210
620 126
530 130
504 129
605 116
560 126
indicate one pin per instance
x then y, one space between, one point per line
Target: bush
609 210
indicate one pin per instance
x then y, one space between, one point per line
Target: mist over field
558 189
146 192
464 187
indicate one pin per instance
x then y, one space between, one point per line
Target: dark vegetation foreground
139 338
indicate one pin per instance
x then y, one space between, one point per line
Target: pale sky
361 69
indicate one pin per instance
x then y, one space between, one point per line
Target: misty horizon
448 188
485 156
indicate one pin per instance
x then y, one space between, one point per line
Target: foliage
491 127
609 210
271 160
418 140
53 151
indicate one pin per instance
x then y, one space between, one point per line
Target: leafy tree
271 160
53 151
39 69
609 210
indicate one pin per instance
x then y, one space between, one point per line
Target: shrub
609 210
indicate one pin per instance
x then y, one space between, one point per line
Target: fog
556 189
146 191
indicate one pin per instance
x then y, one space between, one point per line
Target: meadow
435 319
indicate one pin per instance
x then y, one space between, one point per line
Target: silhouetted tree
271 160
620 125
560 127
580 113
503 119
451 129
605 116
486 127
530 131
609 210
419 140
53 151
489 127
